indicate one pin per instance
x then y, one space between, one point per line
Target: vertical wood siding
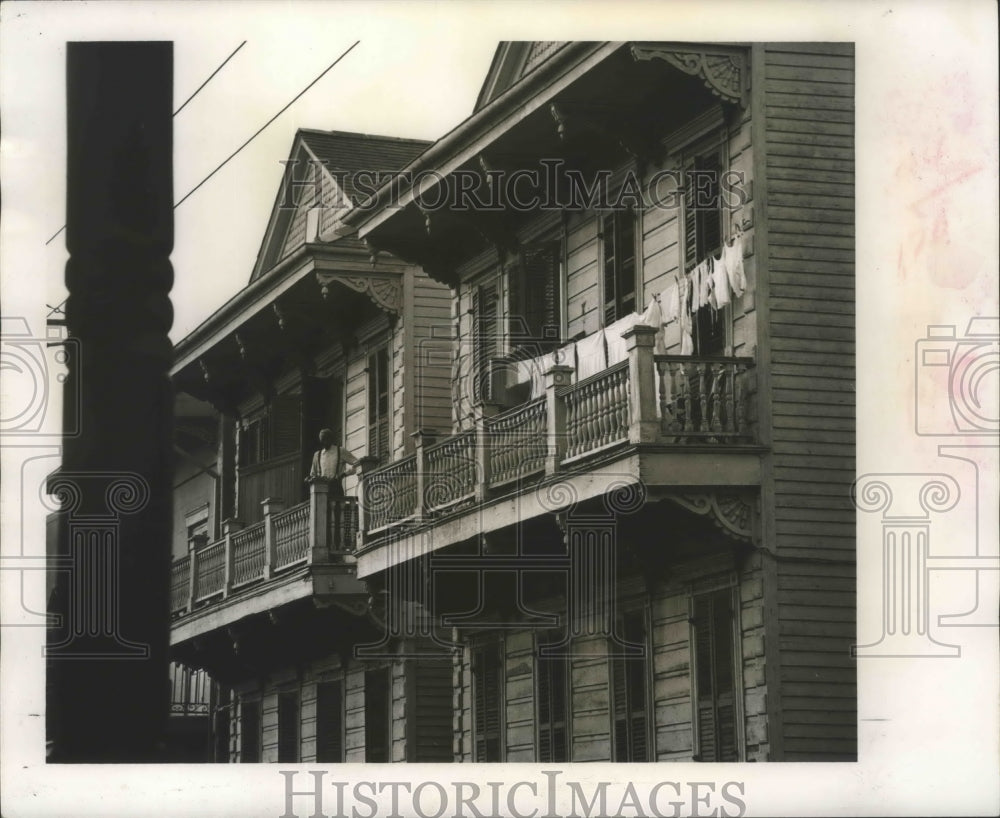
810 167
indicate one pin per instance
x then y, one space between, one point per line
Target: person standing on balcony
331 463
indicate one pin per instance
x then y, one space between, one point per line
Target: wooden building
605 416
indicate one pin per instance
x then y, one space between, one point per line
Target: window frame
715 144
372 408
541 339
340 718
616 310
256 705
646 670
567 692
730 588
289 725
498 646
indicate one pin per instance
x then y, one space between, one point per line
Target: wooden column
107 686
422 438
319 520
556 377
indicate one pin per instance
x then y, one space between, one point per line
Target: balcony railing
669 400
318 531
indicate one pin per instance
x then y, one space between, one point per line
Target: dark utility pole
107 653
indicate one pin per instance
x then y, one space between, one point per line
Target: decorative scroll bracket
723 69
734 514
386 291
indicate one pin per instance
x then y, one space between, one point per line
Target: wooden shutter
432 711
486 340
625 272
250 723
378 404
714 623
487 676
540 290
553 709
285 425
378 716
330 721
629 691
288 726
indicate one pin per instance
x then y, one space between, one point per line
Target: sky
409 76
927 249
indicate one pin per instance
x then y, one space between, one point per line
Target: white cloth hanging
618 346
720 281
733 255
591 356
653 317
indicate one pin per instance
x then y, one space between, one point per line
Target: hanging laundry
695 277
733 255
653 317
705 281
669 302
591 355
618 346
720 282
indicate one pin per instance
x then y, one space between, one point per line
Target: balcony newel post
484 411
271 506
556 377
641 384
366 465
229 527
319 519
422 439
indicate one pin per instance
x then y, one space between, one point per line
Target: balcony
292 553
677 420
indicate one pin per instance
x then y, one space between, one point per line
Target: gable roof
511 61
341 154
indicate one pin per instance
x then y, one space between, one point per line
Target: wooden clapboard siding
590 701
398 705
354 705
430 343
519 697
462 704
583 295
809 126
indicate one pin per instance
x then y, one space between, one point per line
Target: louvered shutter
625 272
285 425
250 723
544 712
553 711
433 709
539 287
629 691
488 702
288 726
329 722
486 341
711 214
378 717
716 693
378 404
690 220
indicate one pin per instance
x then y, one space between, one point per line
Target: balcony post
197 541
422 438
366 465
271 506
556 377
643 425
484 410
229 527
319 520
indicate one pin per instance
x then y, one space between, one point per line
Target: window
485 337
714 634
250 723
288 726
378 715
330 721
618 236
703 238
272 432
553 707
487 694
378 404
197 533
630 693
534 294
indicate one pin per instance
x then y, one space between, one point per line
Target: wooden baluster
740 399
717 386
683 398
703 369
731 399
